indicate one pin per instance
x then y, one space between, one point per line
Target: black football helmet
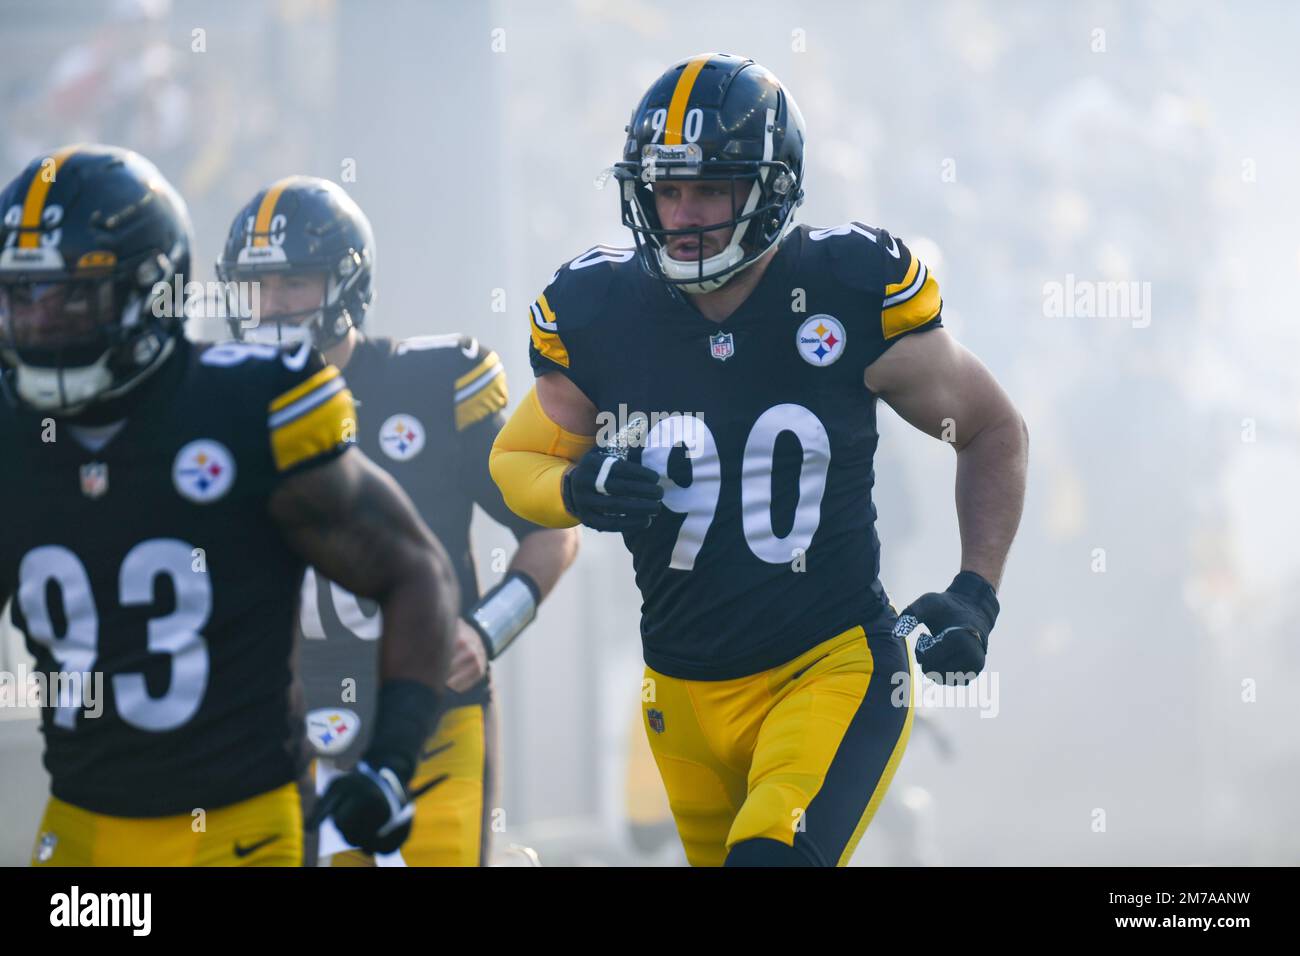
91 238
302 225
713 117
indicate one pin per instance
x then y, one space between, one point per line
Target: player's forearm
990 493
545 555
528 461
420 605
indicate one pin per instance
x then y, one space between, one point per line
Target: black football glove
609 493
370 804
369 807
959 620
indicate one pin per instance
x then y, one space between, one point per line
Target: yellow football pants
801 754
265 830
450 825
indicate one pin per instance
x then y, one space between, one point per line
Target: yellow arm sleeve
528 461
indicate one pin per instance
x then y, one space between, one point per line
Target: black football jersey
154 563
762 429
428 410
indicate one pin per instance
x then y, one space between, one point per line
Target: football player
730 364
429 409
160 502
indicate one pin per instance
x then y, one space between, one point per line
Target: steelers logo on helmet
203 471
331 730
401 437
820 340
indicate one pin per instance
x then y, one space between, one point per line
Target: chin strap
71 390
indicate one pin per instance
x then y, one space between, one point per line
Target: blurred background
1136 709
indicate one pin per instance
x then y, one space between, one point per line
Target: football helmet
301 225
91 238
713 117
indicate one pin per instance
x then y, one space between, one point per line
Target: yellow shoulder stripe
910 303
323 429
546 335
490 362
894 288
302 388
488 400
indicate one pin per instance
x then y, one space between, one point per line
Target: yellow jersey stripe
321 430
681 96
549 345
485 402
546 308
914 311
265 210
38 190
490 362
547 340
893 288
302 388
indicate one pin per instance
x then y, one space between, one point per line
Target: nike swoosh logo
428 754
807 667
243 851
421 791
893 250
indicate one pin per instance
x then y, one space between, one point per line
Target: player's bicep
353 522
566 404
938 386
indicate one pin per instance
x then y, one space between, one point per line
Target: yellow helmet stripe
681 95
37 192
266 209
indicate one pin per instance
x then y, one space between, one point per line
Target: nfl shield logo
94 479
722 346
656 717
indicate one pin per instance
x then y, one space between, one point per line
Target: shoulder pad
432 343
870 259
574 298
309 410
861 256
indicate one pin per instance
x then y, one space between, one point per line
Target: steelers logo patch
332 730
820 340
401 437
203 471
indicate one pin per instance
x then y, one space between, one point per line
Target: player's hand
959 620
469 658
370 809
609 493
